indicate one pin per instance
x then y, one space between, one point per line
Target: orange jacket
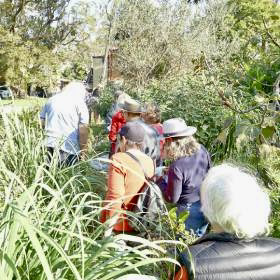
124 182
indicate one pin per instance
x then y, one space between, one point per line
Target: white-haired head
76 89
234 201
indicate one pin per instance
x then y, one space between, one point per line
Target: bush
192 98
105 102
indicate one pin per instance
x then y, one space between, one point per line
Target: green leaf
183 216
268 131
222 137
274 17
172 213
227 122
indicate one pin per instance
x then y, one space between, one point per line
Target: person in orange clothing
126 178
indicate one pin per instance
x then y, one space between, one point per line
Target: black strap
137 160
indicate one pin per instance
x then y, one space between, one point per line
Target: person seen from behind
118 120
126 178
152 117
65 119
238 210
114 107
190 164
132 111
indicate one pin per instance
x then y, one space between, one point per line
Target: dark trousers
64 159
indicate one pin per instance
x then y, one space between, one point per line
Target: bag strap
139 162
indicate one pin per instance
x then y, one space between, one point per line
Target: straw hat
131 106
122 97
177 128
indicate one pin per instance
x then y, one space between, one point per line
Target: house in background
95 74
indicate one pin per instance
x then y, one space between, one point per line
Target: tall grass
49 227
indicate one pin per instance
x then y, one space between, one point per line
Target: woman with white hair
238 210
190 163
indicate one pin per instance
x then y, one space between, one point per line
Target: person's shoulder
118 116
118 156
146 157
149 129
54 100
180 161
203 149
269 241
119 160
178 164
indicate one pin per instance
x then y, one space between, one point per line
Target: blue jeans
196 222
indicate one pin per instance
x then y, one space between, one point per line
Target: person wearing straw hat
132 111
190 164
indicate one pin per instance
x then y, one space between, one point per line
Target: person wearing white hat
132 111
190 164
118 121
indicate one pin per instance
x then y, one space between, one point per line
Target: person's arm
115 193
113 133
174 185
83 128
43 116
114 128
181 274
83 138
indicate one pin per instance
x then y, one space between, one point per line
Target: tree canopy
38 38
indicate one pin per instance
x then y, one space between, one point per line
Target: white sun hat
177 128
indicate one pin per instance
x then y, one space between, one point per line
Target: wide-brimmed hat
122 98
131 106
177 128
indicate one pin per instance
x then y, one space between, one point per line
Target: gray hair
132 145
233 200
181 147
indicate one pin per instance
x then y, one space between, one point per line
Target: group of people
223 200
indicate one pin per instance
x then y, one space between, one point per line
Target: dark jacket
223 256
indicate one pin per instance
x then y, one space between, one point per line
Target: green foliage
177 225
50 225
39 38
106 100
269 166
191 98
75 72
150 39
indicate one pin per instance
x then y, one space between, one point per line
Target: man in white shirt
65 118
